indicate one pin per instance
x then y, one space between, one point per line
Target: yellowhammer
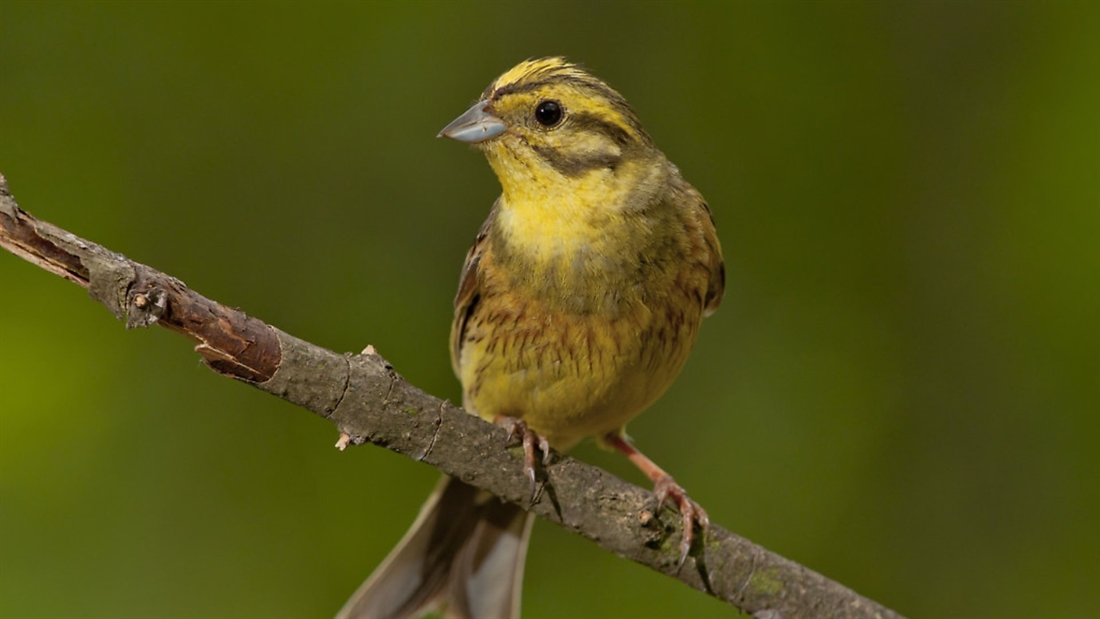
577 306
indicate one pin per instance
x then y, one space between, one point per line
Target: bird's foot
691 512
666 488
533 442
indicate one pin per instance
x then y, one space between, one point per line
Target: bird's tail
463 557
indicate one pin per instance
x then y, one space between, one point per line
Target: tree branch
369 402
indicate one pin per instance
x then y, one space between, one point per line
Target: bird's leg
665 488
532 443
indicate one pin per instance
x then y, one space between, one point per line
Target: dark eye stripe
599 89
591 122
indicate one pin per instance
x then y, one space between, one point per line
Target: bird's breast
571 347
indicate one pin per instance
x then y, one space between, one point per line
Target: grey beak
475 125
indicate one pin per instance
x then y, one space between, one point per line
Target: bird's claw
532 442
691 512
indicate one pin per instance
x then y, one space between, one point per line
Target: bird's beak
475 125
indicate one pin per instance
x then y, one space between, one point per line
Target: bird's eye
549 113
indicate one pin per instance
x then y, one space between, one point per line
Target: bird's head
548 124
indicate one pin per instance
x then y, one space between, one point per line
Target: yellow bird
577 306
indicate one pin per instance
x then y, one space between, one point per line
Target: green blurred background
901 391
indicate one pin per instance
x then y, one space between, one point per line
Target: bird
578 304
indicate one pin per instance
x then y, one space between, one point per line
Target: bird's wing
469 290
716 284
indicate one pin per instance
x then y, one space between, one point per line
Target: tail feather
462 557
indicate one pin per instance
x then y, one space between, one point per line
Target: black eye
548 113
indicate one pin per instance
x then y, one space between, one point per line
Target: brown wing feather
468 294
716 285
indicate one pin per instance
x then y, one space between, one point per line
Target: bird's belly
571 375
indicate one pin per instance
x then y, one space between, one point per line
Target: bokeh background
901 391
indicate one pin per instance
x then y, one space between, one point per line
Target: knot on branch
146 308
